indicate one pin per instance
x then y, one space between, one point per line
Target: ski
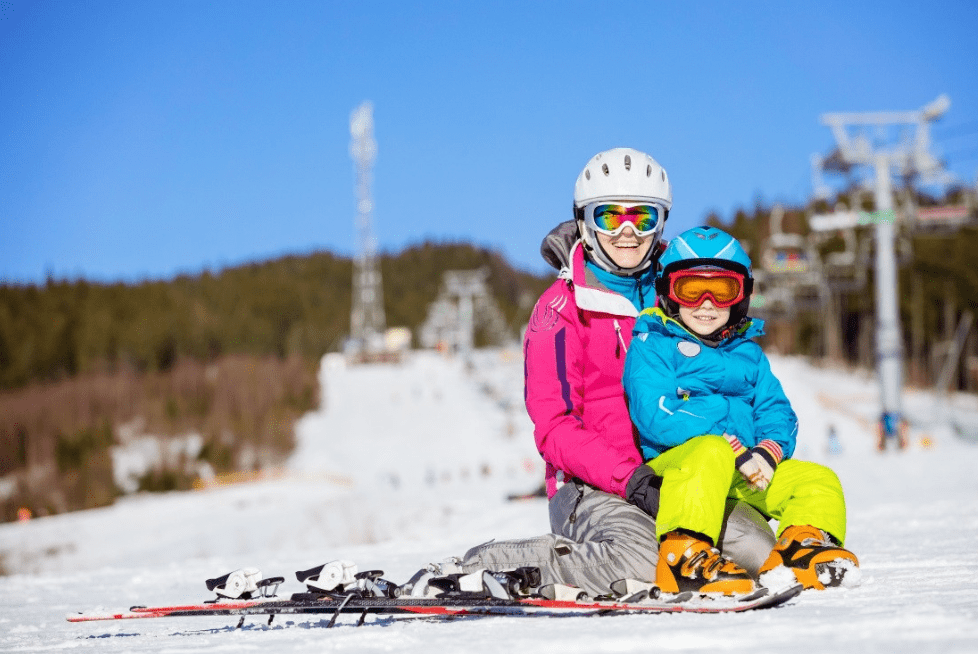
336 588
447 607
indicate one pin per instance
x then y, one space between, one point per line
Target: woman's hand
643 489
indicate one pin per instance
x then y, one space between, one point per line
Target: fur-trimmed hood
558 244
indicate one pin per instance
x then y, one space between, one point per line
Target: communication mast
367 321
860 138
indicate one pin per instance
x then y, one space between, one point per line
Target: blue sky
142 139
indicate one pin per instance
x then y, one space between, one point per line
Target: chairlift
944 219
783 261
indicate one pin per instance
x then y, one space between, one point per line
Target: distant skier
603 500
891 427
834 446
708 407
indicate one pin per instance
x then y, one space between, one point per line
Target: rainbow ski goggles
689 288
611 219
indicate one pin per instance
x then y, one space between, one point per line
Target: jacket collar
562 249
589 292
655 319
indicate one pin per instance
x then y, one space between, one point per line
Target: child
707 406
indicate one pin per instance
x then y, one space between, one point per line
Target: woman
603 501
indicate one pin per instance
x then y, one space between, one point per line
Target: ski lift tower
464 299
367 321
859 137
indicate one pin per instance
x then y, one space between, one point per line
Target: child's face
704 319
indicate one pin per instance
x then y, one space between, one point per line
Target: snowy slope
409 464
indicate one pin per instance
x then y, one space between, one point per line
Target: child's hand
756 464
757 470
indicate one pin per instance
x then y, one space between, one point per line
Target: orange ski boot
687 563
810 553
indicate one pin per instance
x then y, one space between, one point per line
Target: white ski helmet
621 175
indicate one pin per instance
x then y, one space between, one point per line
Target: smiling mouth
626 241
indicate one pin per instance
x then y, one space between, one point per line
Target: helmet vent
628 162
663 175
648 170
604 169
587 174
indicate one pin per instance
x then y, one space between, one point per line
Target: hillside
294 305
210 370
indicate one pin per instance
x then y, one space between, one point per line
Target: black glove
643 489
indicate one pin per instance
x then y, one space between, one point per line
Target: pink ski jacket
574 356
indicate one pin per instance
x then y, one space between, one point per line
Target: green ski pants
699 475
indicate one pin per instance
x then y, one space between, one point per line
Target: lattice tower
367 320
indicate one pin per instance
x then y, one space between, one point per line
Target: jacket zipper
621 341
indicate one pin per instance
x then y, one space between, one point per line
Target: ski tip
794 591
92 617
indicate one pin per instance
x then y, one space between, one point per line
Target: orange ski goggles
689 288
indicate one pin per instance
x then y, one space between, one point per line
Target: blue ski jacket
679 388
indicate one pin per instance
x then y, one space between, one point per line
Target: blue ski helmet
706 247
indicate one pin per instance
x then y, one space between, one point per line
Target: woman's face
627 249
704 319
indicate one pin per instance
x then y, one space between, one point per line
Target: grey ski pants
598 538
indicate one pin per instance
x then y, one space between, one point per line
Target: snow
409 464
